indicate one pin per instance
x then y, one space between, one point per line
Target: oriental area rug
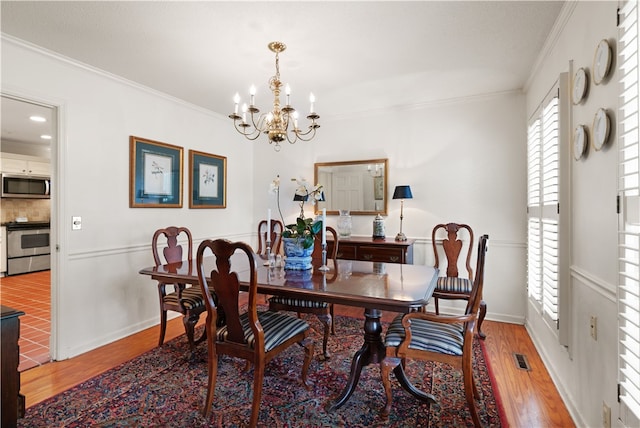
165 387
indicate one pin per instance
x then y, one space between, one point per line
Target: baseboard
491 316
115 336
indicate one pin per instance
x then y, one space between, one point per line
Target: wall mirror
358 186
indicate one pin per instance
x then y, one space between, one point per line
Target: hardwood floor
529 398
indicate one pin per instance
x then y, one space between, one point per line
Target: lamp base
401 237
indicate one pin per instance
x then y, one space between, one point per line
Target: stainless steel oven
28 247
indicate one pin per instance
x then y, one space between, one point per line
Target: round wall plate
580 85
601 62
601 128
579 142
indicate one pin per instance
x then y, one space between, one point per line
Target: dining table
373 286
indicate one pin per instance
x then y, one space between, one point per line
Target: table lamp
402 193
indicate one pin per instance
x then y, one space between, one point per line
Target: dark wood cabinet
374 250
12 400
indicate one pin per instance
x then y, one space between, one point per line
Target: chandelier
281 123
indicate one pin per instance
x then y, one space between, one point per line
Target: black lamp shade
297 197
321 199
402 192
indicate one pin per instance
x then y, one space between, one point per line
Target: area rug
165 387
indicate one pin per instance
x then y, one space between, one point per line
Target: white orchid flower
274 187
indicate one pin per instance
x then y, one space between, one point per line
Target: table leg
372 351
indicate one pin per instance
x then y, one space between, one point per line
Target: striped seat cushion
454 285
427 336
289 301
277 327
191 298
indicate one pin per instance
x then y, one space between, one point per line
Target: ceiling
17 127
354 56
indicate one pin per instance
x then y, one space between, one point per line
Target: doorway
29 135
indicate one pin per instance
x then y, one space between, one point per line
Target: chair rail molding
603 288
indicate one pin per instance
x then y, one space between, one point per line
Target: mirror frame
320 205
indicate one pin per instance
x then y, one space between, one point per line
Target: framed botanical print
207 180
155 174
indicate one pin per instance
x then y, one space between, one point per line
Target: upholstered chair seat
191 298
454 285
298 302
277 328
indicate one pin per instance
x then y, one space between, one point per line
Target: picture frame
207 180
378 188
155 174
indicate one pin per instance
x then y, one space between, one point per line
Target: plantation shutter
543 199
629 216
534 255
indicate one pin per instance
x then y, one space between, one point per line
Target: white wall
585 373
464 161
98 295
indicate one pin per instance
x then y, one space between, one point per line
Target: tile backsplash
33 209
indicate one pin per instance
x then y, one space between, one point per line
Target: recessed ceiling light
45 137
38 118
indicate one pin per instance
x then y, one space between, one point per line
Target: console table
365 248
12 400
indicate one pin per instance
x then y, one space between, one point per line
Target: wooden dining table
374 286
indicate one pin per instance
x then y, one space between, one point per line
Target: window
629 216
543 142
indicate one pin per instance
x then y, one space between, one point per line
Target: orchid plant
304 228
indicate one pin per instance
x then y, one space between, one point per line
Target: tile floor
30 293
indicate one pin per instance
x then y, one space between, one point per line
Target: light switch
76 223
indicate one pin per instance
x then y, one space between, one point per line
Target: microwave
25 186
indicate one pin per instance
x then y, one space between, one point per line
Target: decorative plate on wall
579 142
580 85
601 128
601 62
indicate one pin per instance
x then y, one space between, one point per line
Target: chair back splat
453 247
256 337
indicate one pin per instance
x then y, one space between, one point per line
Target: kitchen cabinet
3 251
25 165
374 250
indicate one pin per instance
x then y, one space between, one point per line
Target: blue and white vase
297 257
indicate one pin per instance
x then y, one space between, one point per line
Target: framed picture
155 174
207 180
378 188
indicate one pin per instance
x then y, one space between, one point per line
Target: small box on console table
374 250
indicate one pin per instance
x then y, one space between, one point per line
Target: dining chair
323 310
443 338
276 236
256 337
186 300
452 285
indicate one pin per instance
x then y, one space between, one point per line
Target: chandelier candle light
402 193
281 123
